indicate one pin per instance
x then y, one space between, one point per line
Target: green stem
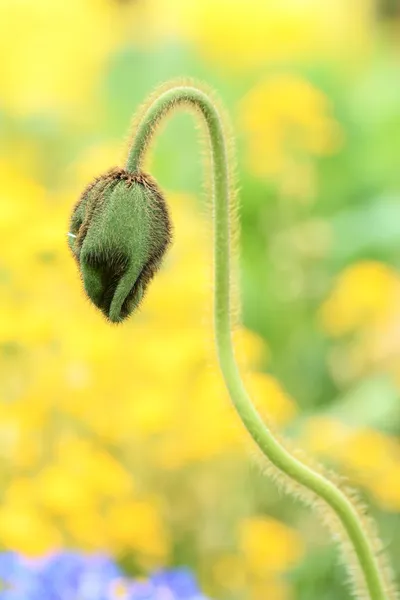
271 447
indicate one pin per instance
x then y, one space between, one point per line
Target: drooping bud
119 232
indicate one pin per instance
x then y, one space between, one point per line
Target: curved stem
271 447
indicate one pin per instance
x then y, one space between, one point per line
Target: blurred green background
122 438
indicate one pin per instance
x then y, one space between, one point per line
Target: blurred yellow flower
270 398
250 349
209 424
243 35
288 122
365 294
26 529
369 456
23 198
324 435
86 529
97 469
124 439
370 452
267 544
138 526
386 490
61 492
188 301
20 423
52 52
90 163
373 459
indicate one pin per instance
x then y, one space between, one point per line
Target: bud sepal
123 229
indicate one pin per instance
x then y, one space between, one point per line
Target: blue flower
72 575
181 582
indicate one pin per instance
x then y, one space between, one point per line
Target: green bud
119 232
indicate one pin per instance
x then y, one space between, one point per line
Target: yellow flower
153 412
20 423
188 264
53 51
245 35
23 199
97 469
90 163
270 398
169 453
370 452
209 424
386 490
250 349
138 526
288 122
61 492
369 456
25 529
87 529
268 545
324 435
373 459
365 294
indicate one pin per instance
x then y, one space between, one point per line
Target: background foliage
122 438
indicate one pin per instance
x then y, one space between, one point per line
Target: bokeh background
122 438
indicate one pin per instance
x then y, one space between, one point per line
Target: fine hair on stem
369 574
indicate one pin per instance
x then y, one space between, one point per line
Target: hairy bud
119 232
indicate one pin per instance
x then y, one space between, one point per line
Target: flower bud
119 232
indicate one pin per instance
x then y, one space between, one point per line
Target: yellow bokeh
270 398
265 541
26 530
285 136
98 394
55 52
365 294
137 526
243 35
370 457
124 439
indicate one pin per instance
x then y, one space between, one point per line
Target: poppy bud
119 232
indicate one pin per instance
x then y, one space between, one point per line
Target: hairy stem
275 452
